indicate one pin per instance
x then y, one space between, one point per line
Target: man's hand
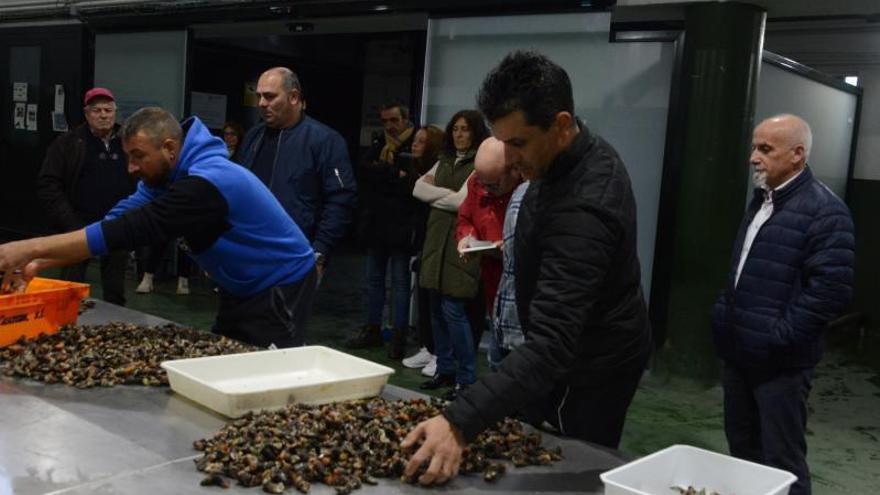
428 178
14 258
320 263
442 445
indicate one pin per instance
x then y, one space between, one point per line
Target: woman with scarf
451 280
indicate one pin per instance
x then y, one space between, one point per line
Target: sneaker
419 359
182 286
367 336
146 285
431 368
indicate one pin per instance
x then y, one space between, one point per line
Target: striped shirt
505 319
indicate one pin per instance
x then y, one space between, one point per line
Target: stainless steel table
138 440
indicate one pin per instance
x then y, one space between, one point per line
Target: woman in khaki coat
450 280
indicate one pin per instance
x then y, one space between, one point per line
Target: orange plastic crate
45 307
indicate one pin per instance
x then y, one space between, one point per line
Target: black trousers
113 267
277 315
593 412
765 419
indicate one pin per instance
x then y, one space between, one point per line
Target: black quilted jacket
578 287
797 278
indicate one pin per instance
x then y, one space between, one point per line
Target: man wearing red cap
85 174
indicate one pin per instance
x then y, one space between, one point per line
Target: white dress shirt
760 218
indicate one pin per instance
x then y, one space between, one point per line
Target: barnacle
345 445
107 355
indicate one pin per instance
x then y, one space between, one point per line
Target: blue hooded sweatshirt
237 230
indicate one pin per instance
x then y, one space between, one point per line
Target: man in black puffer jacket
578 292
791 273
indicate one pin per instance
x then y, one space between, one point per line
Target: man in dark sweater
578 292
83 175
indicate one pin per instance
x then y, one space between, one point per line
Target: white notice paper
19 91
210 108
59 98
31 118
18 116
478 245
59 122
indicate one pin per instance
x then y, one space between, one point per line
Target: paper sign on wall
19 91
31 118
210 108
59 98
59 122
18 116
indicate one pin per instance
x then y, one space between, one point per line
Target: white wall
143 69
621 90
841 49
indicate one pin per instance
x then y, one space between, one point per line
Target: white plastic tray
683 465
235 384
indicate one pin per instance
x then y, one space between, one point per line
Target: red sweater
481 216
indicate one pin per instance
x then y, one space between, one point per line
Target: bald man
791 274
302 161
481 215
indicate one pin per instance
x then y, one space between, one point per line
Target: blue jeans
496 353
377 265
452 338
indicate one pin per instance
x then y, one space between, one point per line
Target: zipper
338 177
275 161
559 410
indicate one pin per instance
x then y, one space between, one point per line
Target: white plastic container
683 466
234 384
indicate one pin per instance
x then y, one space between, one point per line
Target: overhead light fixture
380 8
300 27
644 36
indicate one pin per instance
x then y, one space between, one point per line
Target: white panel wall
621 90
829 111
143 69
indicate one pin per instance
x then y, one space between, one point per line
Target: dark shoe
367 336
453 393
438 381
398 344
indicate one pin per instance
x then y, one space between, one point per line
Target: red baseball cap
96 92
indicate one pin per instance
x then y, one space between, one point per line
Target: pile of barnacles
107 355
347 444
692 491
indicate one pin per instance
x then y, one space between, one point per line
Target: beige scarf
391 145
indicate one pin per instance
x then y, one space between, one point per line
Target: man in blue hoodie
302 161
236 230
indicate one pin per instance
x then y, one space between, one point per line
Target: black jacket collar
570 157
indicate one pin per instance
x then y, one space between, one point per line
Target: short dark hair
528 82
156 123
404 110
479 131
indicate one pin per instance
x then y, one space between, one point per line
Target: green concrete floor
844 423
